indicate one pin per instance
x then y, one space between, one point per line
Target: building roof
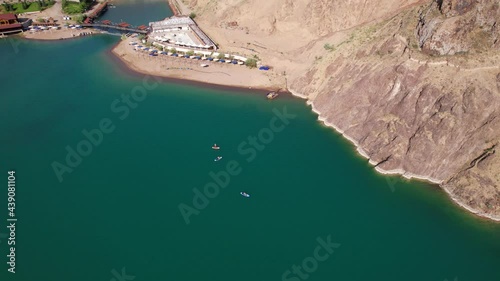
10 26
8 17
172 21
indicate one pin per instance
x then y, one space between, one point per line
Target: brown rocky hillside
415 84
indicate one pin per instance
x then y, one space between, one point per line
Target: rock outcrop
415 85
449 27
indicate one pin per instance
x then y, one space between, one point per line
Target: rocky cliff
415 85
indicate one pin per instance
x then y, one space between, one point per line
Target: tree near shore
7 6
173 51
221 56
25 5
190 53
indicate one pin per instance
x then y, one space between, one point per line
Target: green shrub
329 47
75 8
252 63
7 7
192 15
80 18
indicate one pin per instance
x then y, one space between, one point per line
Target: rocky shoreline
400 172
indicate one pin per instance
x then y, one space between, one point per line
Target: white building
181 31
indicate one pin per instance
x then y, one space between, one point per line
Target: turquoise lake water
116 215
137 12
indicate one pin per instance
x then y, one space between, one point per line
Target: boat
244 194
272 95
215 147
204 65
218 158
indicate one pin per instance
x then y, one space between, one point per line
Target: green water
137 12
119 208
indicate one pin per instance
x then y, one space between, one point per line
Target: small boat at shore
244 194
272 95
215 146
218 158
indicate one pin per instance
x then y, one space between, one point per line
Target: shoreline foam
400 172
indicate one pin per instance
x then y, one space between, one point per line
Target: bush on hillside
252 63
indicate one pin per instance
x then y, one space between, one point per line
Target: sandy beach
63 33
190 69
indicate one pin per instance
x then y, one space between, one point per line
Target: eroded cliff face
448 27
317 17
416 87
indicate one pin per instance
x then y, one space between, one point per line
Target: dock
121 27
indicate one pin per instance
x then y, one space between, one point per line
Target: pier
121 27
106 24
